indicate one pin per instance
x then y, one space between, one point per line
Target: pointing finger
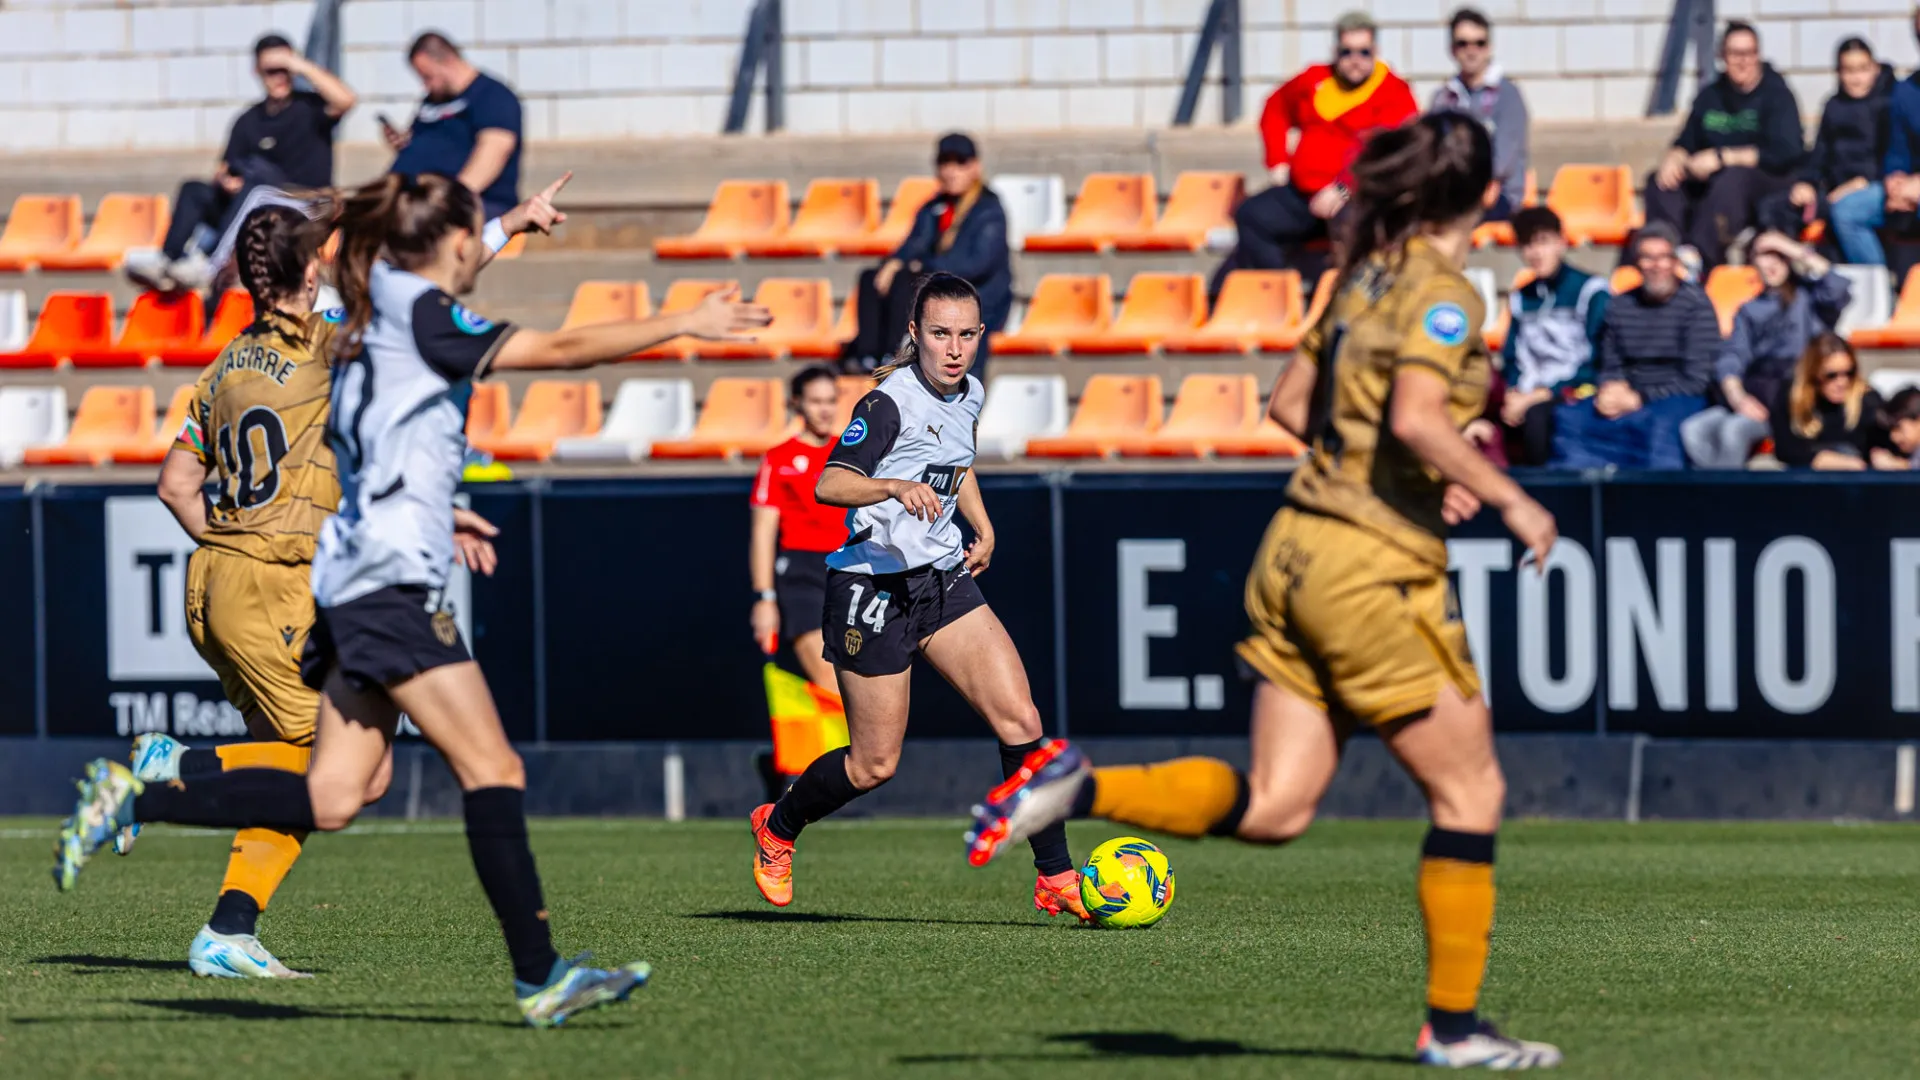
553 189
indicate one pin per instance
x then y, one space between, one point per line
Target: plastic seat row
77 329
804 325
45 231
1257 310
114 424
649 418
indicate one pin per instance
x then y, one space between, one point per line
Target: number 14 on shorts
875 616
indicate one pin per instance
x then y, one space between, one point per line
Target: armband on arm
494 235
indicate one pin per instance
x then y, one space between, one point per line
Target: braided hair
938 285
276 246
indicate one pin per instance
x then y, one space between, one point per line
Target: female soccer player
790 575
903 584
383 642
1353 619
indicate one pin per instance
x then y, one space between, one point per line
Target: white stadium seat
644 411
1034 204
15 327
1488 287
30 416
1872 302
1021 407
1890 381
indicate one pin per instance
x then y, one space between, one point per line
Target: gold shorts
249 619
1351 623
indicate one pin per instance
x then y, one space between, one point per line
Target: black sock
1083 799
1452 1026
235 913
1229 825
200 764
1050 855
497 839
241 799
821 790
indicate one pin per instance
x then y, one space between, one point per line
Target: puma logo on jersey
935 432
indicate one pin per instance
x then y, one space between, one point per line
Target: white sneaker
235 956
148 268
156 759
192 271
1486 1048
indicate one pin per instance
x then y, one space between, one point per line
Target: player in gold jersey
1353 618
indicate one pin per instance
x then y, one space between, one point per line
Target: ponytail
938 285
1428 172
274 250
401 219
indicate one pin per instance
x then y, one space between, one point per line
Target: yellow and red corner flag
808 720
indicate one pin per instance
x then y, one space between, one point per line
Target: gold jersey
258 423
1420 314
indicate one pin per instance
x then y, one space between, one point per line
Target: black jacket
1852 138
978 253
1767 117
1797 451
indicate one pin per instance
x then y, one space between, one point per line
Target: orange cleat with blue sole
772 860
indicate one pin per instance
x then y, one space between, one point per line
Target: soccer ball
1127 882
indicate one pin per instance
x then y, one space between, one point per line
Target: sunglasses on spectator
1361 53
1845 374
1469 43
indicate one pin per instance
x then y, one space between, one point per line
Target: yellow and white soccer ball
1126 883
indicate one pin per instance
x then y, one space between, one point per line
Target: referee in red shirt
792 533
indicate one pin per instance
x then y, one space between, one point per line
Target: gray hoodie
1497 104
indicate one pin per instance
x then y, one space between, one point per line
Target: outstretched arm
720 317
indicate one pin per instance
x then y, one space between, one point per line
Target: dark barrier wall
1775 606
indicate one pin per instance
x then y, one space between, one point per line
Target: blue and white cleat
105 804
235 956
1486 1048
577 988
156 759
1039 795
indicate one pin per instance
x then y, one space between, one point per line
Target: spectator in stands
1801 299
962 231
1742 142
1902 420
1657 352
1841 181
468 126
1334 107
1481 90
1901 169
1548 357
1827 417
284 140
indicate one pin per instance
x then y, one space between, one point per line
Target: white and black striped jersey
904 429
398 430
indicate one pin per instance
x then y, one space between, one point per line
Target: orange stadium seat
1257 309
596 302
1200 203
741 210
1109 205
110 418
39 225
155 324
852 388
488 411
229 321
741 417
1114 409
802 326
831 213
1902 331
1729 287
120 222
1158 306
516 246
69 322
1205 408
1625 279
154 450
913 193
682 296
552 409
1595 203
1501 232
1063 306
1267 439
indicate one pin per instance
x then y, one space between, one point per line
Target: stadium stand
1595 203
1157 307
109 418
155 324
1199 203
1870 300
30 416
741 417
39 226
908 198
1113 410
643 411
1109 205
1256 310
832 213
1729 287
69 322
851 389
1887 381
1500 233
803 324
120 222
1034 204
1902 328
1206 407
1020 408
14 324
682 296
234 314
552 409
1064 306
596 302
741 211
488 413
154 449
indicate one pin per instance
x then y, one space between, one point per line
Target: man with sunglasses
1335 107
1481 90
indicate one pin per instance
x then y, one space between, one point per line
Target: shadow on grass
87 964
187 1009
763 915
1159 1044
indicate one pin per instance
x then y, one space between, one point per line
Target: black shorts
876 622
385 637
800 582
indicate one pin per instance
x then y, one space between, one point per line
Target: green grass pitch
1644 951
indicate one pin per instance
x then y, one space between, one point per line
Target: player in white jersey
903 585
383 641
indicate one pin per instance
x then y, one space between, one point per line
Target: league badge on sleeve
470 321
1446 324
856 432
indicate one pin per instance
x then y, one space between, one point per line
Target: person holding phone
468 126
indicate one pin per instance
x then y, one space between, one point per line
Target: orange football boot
773 861
1059 893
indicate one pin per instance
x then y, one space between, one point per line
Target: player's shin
242 799
497 840
1050 854
824 788
1194 796
260 861
1456 903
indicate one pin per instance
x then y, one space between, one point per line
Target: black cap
955 147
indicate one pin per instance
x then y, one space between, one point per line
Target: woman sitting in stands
1827 417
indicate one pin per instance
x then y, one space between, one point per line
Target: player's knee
1273 823
377 787
870 773
503 770
1023 723
334 806
1472 800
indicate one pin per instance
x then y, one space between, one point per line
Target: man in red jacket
1335 107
